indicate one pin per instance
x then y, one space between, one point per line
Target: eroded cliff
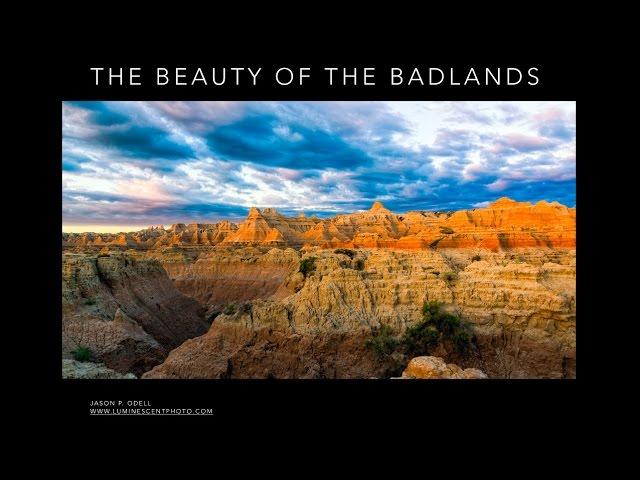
124 310
521 306
298 297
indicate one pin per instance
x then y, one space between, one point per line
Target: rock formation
223 276
126 311
194 234
91 371
232 350
436 368
503 224
521 306
508 270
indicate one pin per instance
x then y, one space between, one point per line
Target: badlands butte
304 297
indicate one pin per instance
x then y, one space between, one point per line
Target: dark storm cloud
144 142
264 140
128 135
457 196
72 162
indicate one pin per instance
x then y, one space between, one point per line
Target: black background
511 408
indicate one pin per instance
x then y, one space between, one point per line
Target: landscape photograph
372 240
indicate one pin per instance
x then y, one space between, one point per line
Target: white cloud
498 185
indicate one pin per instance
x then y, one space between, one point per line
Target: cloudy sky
127 165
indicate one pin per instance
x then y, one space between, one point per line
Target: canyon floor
297 297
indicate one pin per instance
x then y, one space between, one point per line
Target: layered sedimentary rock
193 234
233 348
222 276
521 307
126 311
436 368
298 297
269 227
503 224
91 371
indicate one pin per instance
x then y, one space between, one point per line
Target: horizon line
76 227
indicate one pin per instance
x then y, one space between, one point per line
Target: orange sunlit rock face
502 225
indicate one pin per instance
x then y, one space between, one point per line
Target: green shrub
382 342
82 354
229 309
430 308
435 326
358 264
307 266
448 324
446 230
476 258
462 341
345 251
450 277
420 338
89 301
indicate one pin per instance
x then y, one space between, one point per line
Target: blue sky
134 164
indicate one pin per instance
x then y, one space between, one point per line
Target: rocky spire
254 213
378 207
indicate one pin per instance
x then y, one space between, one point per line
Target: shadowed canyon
279 296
